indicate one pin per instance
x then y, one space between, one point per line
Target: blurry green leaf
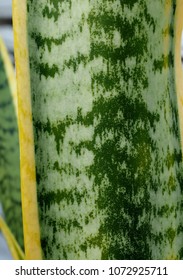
9 149
14 247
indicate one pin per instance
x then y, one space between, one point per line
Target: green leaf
13 246
107 139
9 148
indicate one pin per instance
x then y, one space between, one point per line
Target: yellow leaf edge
31 226
178 64
13 245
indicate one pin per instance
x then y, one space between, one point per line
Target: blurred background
7 34
6 24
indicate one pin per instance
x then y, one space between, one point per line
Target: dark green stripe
106 127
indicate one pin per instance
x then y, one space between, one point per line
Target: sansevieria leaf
9 147
13 246
100 110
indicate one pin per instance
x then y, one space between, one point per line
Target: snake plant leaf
9 148
99 96
13 246
27 154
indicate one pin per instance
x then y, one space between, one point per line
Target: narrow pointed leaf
13 246
9 147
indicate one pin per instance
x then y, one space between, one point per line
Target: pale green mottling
106 133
